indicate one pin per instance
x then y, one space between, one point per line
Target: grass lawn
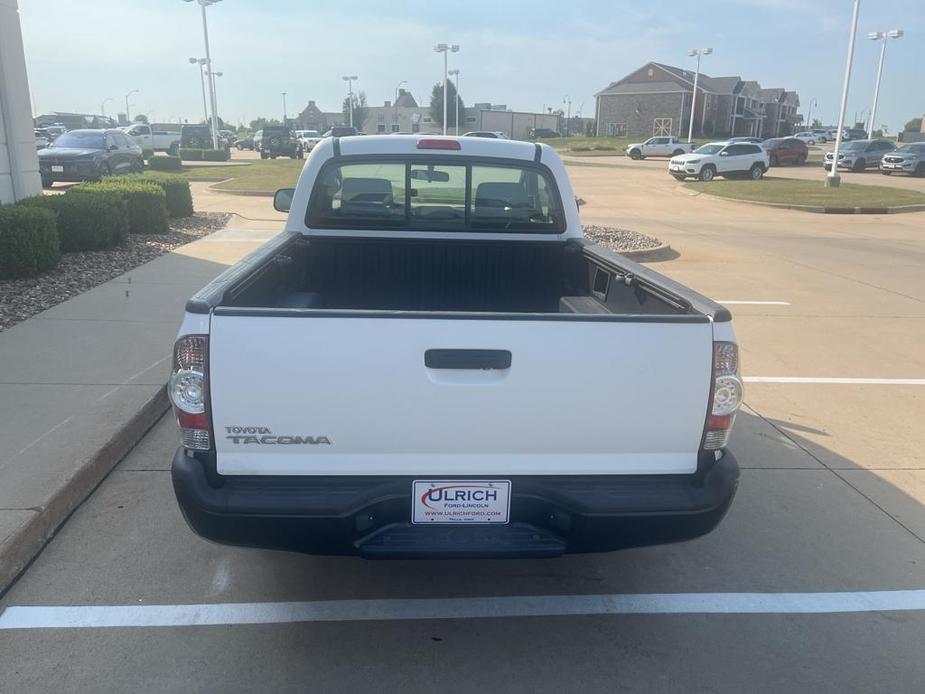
263 175
791 191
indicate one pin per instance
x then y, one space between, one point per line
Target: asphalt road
830 501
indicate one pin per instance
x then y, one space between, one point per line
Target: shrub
28 241
188 154
146 153
175 187
146 202
216 155
163 163
86 221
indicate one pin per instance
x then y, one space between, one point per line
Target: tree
140 118
914 125
436 105
359 110
816 123
261 123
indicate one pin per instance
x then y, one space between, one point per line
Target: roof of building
405 99
721 85
642 88
772 94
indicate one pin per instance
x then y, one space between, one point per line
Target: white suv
727 159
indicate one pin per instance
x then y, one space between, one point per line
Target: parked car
158 140
278 141
491 134
823 135
908 158
308 138
752 140
348 389
55 130
246 142
858 155
341 131
196 137
855 134
543 133
88 155
227 138
727 159
42 139
659 147
806 137
785 150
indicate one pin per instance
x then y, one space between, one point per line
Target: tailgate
311 395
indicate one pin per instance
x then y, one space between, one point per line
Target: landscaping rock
77 272
620 240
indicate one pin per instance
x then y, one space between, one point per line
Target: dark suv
279 141
196 137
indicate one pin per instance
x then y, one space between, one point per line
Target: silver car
908 158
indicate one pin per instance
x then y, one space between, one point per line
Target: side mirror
282 199
724 154
112 148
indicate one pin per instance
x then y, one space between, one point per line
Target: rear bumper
369 516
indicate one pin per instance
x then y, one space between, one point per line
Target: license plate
460 501
57 169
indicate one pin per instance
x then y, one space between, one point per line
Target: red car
786 150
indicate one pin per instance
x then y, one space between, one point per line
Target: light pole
284 109
809 115
350 79
202 82
879 36
455 73
215 88
395 104
103 106
205 35
127 116
568 118
445 48
695 52
833 180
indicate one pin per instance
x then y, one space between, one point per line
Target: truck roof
468 146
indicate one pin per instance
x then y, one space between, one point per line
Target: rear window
429 194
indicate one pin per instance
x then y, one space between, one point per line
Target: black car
88 155
538 133
341 131
196 137
245 143
279 141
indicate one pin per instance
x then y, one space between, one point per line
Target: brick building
656 100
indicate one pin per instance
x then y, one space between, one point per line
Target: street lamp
284 108
455 73
350 79
215 90
809 115
127 117
103 105
695 52
445 48
205 34
879 36
833 180
202 82
568 118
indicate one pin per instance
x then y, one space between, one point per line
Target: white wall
19 165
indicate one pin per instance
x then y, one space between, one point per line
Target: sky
525 54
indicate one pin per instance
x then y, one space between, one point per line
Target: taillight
189 391
435 143
725 395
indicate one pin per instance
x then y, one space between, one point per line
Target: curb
816 209
248 193
28 540
663 252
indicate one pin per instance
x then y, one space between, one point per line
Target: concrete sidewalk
82 382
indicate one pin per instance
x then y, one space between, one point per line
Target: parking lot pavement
831 501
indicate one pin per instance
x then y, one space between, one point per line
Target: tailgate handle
467 359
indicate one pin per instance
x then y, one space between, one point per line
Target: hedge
175 187
90 220
28 241
165 163
146 153
146 202
189 154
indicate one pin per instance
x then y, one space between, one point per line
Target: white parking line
728 302
101 616
843 381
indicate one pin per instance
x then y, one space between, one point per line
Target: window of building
380 128
415 127
396 128
380 117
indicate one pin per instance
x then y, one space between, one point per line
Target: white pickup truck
158 140
430 361
659 147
